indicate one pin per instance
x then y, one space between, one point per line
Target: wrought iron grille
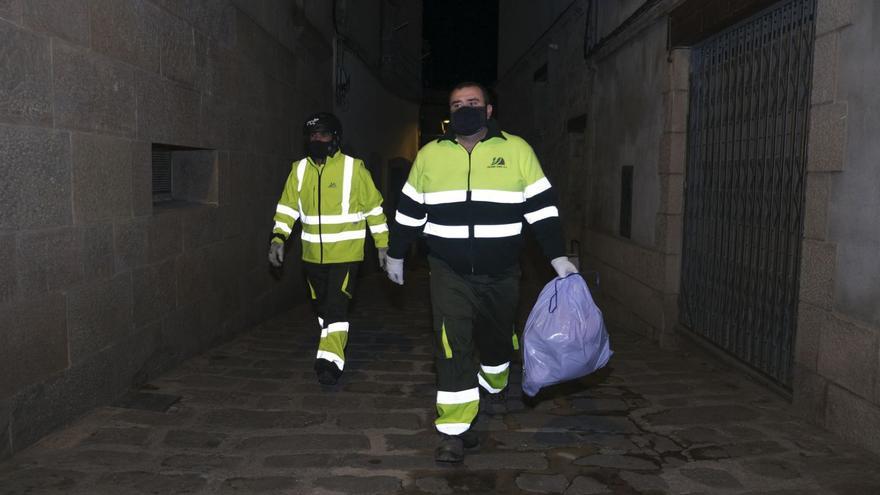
744 196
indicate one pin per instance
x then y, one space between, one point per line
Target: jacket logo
332 185
498 162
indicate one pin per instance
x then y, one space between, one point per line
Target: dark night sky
462 37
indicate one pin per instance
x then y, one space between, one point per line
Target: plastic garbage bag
565 337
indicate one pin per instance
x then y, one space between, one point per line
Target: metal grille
744 196
161 175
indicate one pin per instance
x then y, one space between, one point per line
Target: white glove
563 267
276 254
383 253
394 267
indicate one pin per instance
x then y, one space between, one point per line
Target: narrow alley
251 419
179 179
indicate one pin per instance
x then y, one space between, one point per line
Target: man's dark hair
487 97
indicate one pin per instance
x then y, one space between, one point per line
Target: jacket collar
332 158
492 131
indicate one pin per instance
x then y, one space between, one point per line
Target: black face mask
319 150
466 121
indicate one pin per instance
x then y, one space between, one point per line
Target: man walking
334 198
469 192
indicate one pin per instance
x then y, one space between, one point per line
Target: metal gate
744 196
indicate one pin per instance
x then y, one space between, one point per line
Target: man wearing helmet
334 198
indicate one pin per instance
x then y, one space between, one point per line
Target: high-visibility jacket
335 202
471 205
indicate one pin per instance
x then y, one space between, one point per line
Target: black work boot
494 404
451 447
469 439
328 373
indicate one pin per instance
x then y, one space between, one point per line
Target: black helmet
323 122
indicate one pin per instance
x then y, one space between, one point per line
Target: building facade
714 166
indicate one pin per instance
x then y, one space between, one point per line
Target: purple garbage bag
565 337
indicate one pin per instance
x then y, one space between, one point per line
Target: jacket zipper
470 214
320 232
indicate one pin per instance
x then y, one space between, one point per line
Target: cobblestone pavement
251 418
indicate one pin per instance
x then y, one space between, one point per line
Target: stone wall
632 97
837 381
99 289
635 94
520 24
539 111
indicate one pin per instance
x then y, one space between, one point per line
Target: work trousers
474 318
331 287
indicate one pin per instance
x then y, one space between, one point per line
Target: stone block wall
633 98
635 94
837 360
540 111
100 290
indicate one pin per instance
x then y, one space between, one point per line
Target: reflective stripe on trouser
493 378
472 314
332 345
457 410
332 286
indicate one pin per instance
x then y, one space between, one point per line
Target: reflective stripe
339 326
332 219
503 230
493 196
414 195
494 370
462 397
410 221
341 236
447 231
447 349
329 356
546 212
537 187
481 231
320 320
453 428
485 385
286 210
346 183
300 173
344 287
378 229
443 197
457 410
375 211
283 226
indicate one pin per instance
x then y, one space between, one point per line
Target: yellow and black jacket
335 202
471 206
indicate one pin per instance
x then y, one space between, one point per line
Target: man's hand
394 267
563 267
383 253
276 254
